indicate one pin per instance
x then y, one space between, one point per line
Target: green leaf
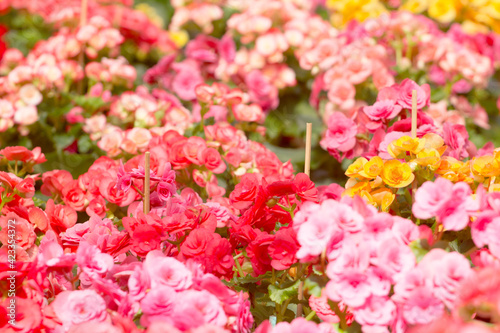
91 104
418 250
250 279
280 295
77 164
312 285
262 312
63 140
84 144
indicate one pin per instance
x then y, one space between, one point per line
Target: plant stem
340 314
284 306
138 191
238 266
311 315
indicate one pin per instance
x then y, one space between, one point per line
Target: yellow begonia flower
354 169
398 148
367 196
377 182
360 10
415 6
434 141
384 198
372 168
150 13
397 174
471 27
429 157
357 189
180 38
448 164
493 9
486 166
451 176
445 11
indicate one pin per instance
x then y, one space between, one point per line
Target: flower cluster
148 172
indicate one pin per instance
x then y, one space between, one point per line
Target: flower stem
311 315
238 266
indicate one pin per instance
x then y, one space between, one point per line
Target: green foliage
25 30
280 295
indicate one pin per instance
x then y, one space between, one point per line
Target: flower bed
152 154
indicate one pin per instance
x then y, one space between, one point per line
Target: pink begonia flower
95 327
342 94
351 286
261 91
377 311
382 110
185 82
315 234
405 230
346 218
394 258
405 94
26 115
51 254
378 227
159 305
462 86
430 197
166 187
161 327
408 282
92 262
449 274
386 141
298 325
494 243
379 280
97 231
138 284
79 306
483 258
139 136
30 95
352 255
204 305
167 271
453 213
323 309
124 178
313 237
483 228
457 140
341 133
446 270
422 306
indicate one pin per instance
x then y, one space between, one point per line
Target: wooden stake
414 114
307 171
414 111
147 183
83 12
307 166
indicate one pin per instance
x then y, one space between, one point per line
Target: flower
382 110
397 174
16 153
430 196
406 89
166 271
79 306
341 133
